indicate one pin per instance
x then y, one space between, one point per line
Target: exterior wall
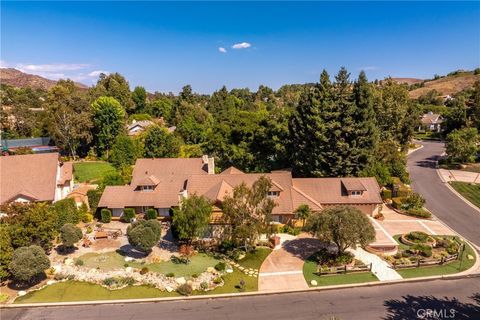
163 212
117 212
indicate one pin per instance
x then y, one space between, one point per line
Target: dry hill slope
20 79
448 85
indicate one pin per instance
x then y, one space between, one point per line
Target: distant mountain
408 81
19 79
448 85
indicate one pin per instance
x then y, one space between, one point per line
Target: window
273 194
147 188
356 193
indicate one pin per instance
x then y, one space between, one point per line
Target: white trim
426 227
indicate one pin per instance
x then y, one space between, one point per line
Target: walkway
459 175
283 268
380 268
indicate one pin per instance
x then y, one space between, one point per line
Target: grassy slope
447 85
471 192
91 171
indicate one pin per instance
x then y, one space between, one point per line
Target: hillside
408 81
20 79
447 85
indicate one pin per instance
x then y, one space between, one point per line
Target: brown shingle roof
32 175
353 184
232 170
431 118
66 172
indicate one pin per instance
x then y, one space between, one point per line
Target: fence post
418 263
370 269
394 265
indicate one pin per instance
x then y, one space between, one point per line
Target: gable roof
66 172
431 118
353 184
33 176
141 123
232 170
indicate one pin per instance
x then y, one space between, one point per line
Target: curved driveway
448 207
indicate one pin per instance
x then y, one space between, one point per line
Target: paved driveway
283 268
447 206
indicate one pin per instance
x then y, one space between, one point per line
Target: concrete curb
461 275
447 184
410 151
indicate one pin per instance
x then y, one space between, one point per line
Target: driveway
283 268
447 206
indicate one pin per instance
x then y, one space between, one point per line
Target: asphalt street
406 301
446 205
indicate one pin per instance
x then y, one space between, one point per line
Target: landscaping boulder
168 289
68 262
314 282
181 280
211 270
22 293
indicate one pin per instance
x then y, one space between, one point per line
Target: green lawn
80 291
469 191
453 267
310 268
112 260
91 171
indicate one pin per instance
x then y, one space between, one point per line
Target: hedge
106 215
151 214
128 215
386 194
420 213
397 202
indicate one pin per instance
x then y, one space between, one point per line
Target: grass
469 167
469 191
80 291
112 260
91 171
310 269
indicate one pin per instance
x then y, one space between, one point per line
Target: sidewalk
458 175
380 268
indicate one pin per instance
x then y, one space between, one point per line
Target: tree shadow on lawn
65 251
430 307
21 285
303 247
129 251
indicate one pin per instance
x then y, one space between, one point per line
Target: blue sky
164 46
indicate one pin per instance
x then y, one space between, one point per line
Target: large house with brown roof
431 122
34 177
162 183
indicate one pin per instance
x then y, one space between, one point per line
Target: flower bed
417 237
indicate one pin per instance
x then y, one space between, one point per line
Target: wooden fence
426 262
343 269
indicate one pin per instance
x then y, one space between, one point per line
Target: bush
403 192
170 275
128 215
414 201
144 270
204 286
109 282
417 237
226 245
185 289
70 234
66 211
217 280
129 281
220 266
386 194
195 275
178 260
397 202
422 249
106 216
290 230
28 262
93 199
151 214
419 213
79 262
89 230
144 234
325 257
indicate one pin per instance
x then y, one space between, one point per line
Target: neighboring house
37 145
138 126
34 177
162 183
431 122
79 194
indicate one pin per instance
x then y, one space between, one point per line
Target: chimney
182 195
205 159
211 166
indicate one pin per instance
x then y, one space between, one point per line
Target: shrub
109 281
79 262
144 270
195 275
386 194
151 214
452 247
204 286
185 289
93 199
70 234
89 230
217 280
178 260
417 237
170 275
403 192
220 266
226 245
106 216
87 217
424 250
414 201
129 281
419 213
144 234
28 262
397 202
128 215
325 257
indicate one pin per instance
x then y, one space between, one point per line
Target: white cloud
3 64
97 73
369 68
222 49
242 45
55 67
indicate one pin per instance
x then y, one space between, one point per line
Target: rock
181 280
128 259
229 271
470 257
49 282
22 293
68 262
169 289
241 268
211 270
314 282
241 256
128 269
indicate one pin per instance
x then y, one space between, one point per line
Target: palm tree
303 212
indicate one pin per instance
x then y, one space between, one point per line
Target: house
431 122
79 194
162 183
34 177
138 126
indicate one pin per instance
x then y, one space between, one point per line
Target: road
392 302
447 206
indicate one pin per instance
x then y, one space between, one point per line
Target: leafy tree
139 97
144 234
414 201
66 211
112 179
108 121
343 225
116 86
431 97
93 199
6 251
70 234
68 116
456 117
248 211
28 263
124 152
461 145
191 218
475 104
159 143
192 122
161 107
303 212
